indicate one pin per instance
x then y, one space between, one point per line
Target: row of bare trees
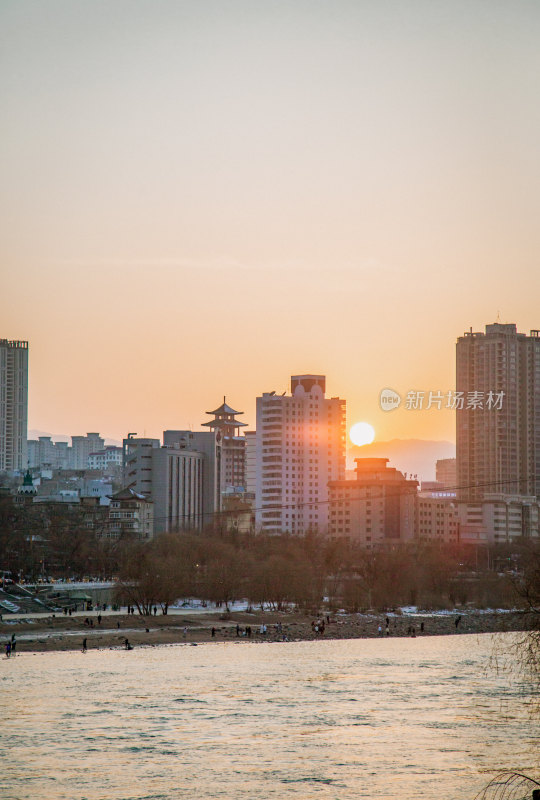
39 539
275 571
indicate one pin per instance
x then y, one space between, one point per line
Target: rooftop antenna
498 316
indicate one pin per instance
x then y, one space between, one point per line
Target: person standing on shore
13 644
84 646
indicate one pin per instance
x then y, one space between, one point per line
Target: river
340 720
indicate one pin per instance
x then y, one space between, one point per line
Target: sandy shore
56 633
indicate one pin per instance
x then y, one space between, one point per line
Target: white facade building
111 456
13 404
43 453
300 447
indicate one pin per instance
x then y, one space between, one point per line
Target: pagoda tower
233 447
26 491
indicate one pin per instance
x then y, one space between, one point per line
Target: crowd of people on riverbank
103 631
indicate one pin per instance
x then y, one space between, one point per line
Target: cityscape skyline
271 375
478 380
422 400
334 189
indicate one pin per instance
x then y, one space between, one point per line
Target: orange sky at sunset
202 199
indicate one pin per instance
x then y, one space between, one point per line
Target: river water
364 718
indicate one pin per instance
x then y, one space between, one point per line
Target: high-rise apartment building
207 444
82 446
498 412
251 461
44 453
445 473
300 447
13 404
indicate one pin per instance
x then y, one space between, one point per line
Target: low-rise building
500 518
110 456
377 509
437 519
131 516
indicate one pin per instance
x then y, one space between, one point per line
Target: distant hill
61 437
413 456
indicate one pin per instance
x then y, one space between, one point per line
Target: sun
362 433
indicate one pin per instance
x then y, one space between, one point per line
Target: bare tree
526 583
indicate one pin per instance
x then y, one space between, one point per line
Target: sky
202 199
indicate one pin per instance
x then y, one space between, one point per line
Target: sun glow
362 433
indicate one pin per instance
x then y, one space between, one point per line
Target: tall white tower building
13 404
300 447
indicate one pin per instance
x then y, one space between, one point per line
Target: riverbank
59 633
